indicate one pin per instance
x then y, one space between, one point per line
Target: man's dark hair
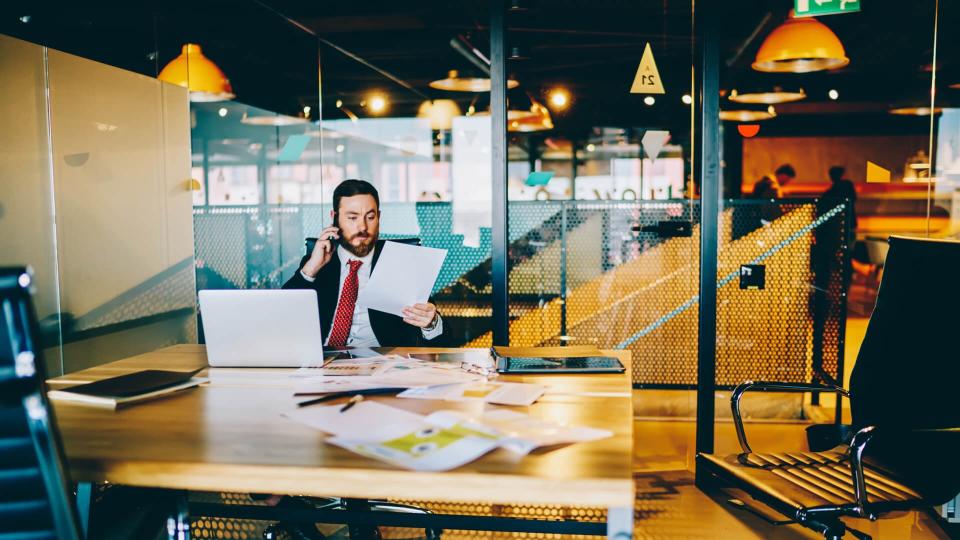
786 169
349 188
836 173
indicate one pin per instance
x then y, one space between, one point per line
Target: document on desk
499 393
441 441
404 276
363 374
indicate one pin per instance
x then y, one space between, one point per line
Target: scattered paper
441 441
382 372
404 276
500 393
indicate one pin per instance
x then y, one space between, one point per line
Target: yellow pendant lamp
801 45
196 72
440 113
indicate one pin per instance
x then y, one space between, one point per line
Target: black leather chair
311 241
907 426
35 500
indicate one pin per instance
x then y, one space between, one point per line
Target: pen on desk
337 395
353 401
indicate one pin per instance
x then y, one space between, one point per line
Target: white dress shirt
361 333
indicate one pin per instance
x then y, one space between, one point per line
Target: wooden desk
232 437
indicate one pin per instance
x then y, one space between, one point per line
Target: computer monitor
261 328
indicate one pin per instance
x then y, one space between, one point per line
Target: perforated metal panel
601 273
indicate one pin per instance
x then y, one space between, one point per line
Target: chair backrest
35 500
908 368
311 241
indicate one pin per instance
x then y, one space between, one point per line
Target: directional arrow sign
811 8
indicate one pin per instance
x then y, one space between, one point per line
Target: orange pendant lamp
801 45
199 74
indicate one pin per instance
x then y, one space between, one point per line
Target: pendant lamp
199 74
801 45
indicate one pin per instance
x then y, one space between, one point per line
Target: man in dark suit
345 255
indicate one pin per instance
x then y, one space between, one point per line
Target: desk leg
619 523
84 494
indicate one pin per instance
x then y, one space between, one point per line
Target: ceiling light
833 94
686 99
801 45
440 112
196 72
516 53
922 110
306 111
649 100
745 114
340 148
559 98
455 83
768 97
591 147
272 120
222 112
339 103
377 103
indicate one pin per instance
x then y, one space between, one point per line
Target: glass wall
97 177
604 218
823 159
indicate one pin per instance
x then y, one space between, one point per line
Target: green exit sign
811 8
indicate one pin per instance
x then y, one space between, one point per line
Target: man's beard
363 249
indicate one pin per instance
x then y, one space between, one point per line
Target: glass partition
101 179
820 166
604 218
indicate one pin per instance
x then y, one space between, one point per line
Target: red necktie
348 300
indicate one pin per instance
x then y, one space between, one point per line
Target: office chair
907 430
35 498
35 501
311 241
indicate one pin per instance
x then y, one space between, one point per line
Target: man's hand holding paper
403 280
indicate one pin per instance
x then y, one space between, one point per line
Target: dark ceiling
591 48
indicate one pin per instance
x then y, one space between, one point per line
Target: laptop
261 328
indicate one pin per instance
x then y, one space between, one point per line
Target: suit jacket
390 329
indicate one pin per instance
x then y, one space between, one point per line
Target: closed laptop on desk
261 328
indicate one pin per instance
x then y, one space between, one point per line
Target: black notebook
530 364
129 388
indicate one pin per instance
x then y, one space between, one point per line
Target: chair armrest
766 386
857 446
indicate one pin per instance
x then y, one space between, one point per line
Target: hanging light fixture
440 112
540 120
272 120
770 96
748 114
455 83
199 74
801 45
920 105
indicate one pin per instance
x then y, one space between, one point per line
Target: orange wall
812 156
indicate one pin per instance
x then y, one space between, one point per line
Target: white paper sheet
441 441
404 276
500 393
